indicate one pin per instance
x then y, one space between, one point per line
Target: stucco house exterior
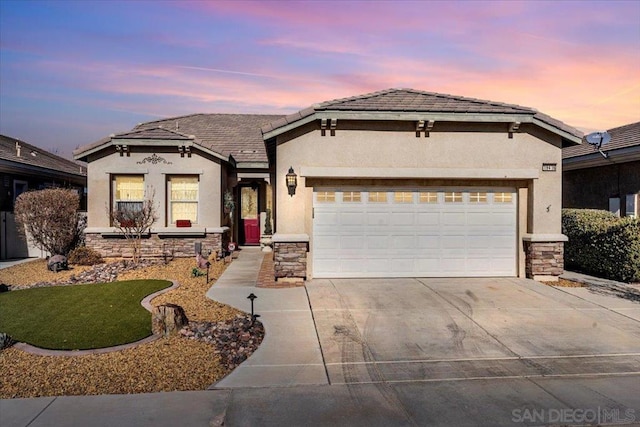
593 181
393 183
25 167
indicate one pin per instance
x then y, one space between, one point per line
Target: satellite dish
598 139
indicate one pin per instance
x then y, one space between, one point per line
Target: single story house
393 183
608 179
26 167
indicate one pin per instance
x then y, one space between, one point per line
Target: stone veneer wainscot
179 244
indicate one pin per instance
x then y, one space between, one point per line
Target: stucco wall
100 169
491 150
395 145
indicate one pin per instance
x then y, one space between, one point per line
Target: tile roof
236 135
410 100
33 156
621 137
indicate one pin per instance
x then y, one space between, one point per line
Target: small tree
134 220
50 218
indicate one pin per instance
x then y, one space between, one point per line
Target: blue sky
72 72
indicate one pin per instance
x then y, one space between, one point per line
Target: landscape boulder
57 263
168 319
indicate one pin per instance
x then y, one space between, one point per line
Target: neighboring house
393 183
26 167
592 181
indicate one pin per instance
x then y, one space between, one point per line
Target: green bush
85 256
602 244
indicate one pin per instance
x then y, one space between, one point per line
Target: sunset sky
72 72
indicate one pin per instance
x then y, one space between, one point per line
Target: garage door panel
453 218
403 242
429 241
403 218
350 219
408 237
428 218
351 242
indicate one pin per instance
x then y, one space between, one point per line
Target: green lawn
79 317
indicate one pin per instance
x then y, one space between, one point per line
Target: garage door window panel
378 197
403 197
326 196
453 197
478 197
351 196
502 197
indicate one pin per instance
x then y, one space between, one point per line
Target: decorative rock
57 263
168 319
225 337
4 288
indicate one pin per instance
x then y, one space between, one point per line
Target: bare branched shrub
134 221
50 218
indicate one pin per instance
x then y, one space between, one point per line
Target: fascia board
151 142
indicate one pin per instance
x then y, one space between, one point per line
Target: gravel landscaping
217 339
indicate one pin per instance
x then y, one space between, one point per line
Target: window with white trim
128 192
183 198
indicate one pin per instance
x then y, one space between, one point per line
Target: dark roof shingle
236 135
33 156
621 137
411 100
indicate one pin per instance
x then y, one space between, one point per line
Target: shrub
85 256
50 218
602 244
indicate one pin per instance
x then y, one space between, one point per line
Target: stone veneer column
290 256
544 256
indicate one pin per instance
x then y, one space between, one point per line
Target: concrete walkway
290 352
11 262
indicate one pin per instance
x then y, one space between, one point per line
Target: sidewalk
290 352
598 291
11 262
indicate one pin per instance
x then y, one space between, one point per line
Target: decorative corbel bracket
513 127
123 149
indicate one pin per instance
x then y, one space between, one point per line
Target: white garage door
414 233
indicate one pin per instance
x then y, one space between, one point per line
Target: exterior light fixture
292 181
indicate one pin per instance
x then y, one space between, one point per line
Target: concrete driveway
405 330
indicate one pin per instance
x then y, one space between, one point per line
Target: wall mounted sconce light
292 181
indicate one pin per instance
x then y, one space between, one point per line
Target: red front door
251 232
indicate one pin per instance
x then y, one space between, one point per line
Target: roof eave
567 136
146 143
435 116
595 159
